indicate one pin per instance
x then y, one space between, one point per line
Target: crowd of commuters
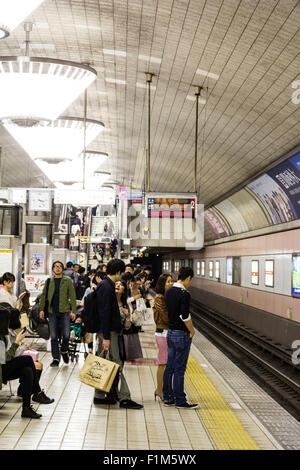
118 290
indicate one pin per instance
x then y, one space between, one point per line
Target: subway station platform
234 413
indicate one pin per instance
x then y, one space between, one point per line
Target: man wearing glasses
60 305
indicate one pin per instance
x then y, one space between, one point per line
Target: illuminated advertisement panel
269 273
217 269
211 269
279 190
296 275
229 270
274 199
287 176
254 272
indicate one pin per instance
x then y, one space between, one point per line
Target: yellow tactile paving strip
224 427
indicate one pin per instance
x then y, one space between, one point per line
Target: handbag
133 349
43 330
98 372
31 352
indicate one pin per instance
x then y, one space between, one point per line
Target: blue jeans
179 345
59 324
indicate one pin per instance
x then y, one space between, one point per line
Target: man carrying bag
111 335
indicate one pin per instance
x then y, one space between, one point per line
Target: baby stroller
77 336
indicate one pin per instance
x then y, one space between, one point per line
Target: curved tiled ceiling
248 121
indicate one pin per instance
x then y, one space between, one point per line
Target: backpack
90 314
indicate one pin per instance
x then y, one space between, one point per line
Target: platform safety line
224 427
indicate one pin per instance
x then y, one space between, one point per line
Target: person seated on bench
15 324
21 367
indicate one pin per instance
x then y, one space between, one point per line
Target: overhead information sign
83 197
135 195
171 205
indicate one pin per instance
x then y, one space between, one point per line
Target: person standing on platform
179 339
160 312
109 338
61 305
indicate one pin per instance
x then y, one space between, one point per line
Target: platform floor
234 412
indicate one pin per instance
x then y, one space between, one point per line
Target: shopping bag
148 317
31 352
98 372
137 318
140 305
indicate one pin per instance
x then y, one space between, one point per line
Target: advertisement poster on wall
215 223
229 270
275 200
287 176
35 283
296 276
37 263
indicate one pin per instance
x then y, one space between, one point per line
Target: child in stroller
79 335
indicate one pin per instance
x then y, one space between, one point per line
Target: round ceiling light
60 139
13 12
35 88
3 32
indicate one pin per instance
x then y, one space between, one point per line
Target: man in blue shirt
179 339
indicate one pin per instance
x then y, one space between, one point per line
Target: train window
296 275
198 268
254 272
191 263
176 266
269 273
202 268
217 269
211 268
229 270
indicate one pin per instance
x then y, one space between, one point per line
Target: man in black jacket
179 339
111 334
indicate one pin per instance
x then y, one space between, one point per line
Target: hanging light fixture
95 159
70 172
36 89
13 12
61 139
97 180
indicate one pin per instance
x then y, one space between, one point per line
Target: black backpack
90 314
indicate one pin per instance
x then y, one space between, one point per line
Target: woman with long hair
21 367
6 294
160 311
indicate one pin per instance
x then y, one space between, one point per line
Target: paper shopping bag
98 372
